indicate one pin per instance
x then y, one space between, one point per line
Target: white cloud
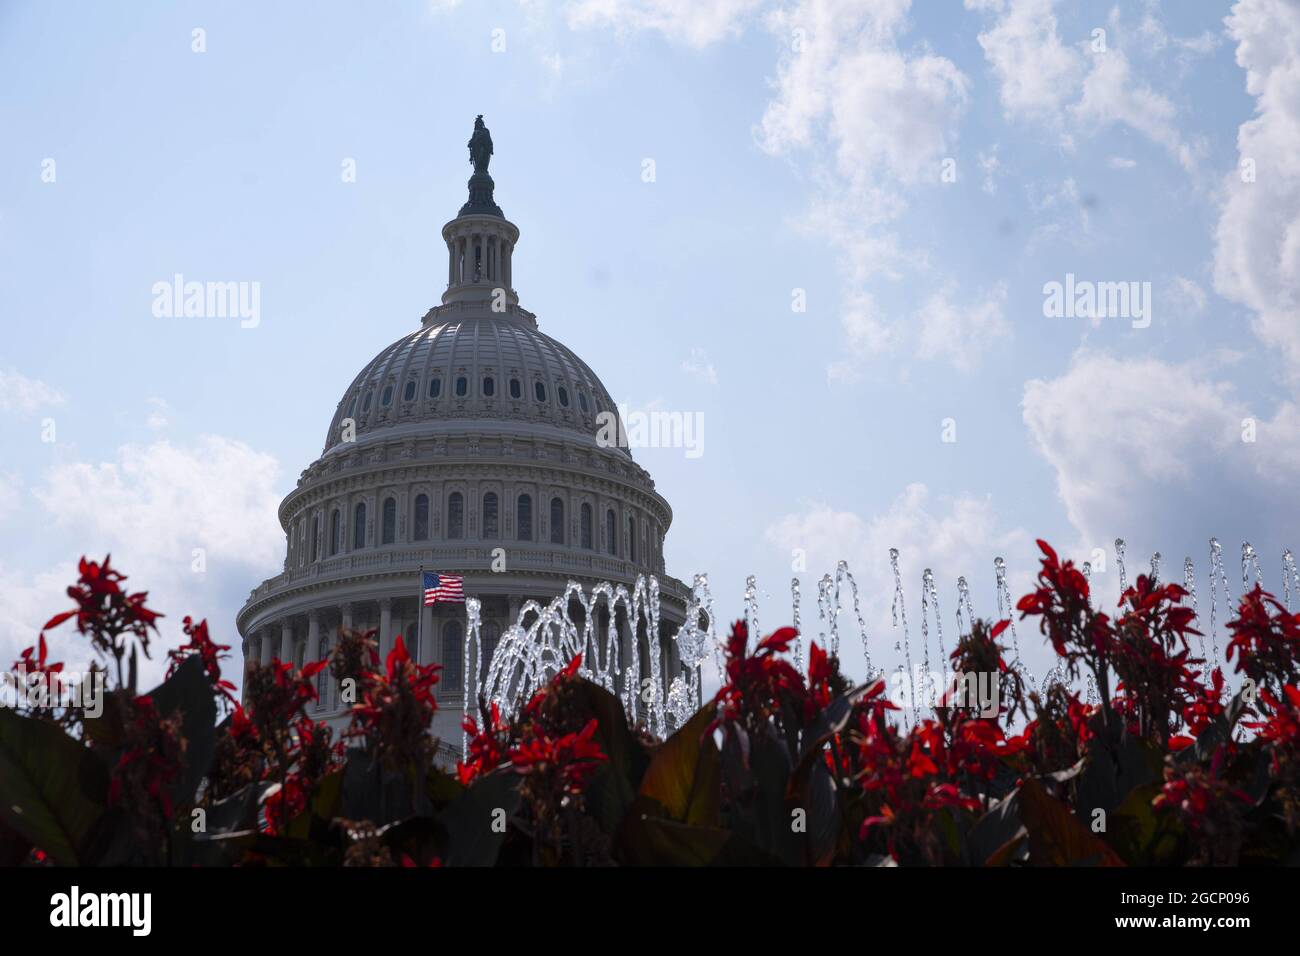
878 122
1112 94
1036 72
1153 452
1257 240
688 21
888 116
24 395
959 332
1121 162
867 333
699 366
151 507
1039 77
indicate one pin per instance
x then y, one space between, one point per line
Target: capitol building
467 447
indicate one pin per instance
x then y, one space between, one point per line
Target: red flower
397 708
105 611
487 748
761 686
1267 642
202 646
567 762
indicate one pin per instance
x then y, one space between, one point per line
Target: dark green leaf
52 788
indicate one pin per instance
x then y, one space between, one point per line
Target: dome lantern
480 240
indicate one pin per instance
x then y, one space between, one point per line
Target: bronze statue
480 146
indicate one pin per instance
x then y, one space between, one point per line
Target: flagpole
419 621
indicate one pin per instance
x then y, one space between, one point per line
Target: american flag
449 588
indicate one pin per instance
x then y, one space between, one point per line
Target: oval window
516 391
435 387
409 392
462 386
489 386
564 396
540 391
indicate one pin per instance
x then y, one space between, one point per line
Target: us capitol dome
466 447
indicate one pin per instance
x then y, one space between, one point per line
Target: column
313 636
345 612
286 641
385 627
265 649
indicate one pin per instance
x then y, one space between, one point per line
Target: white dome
464 366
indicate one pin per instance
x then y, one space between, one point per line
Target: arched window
582 401
435 387
557 521
490 510
421 518
584 526
387 398
315 537
516 390
359 526
462 387
409 392
365 403
390 520
489 386
336 532
611 531
491 637
524 518
456 515
540 391
453 654
631 538
563 393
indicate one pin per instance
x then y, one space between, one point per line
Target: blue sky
918 171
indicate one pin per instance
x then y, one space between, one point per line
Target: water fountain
544 639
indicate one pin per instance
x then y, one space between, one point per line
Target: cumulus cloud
1043 80
1257 240
1163 456
889 116
152 507
885 118
1036 72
